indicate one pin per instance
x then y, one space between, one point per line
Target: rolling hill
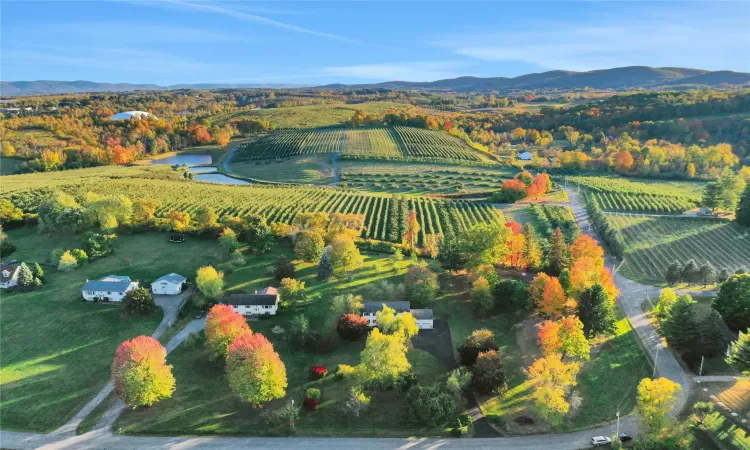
619 78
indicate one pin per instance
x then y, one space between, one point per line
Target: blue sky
187 41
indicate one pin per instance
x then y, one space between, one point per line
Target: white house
111 288
171 284
524 156
9 274
424 317
265 301
132 114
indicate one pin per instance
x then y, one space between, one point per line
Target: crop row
653 243
391 143
641 203
384 215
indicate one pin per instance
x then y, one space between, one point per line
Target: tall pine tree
674 273
558 254
690 272
325 267
596 311
743 208
533 251
25 278
681 328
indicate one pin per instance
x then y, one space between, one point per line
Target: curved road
632 294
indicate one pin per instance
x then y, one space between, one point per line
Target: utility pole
700 371
291 417
656 359
617 434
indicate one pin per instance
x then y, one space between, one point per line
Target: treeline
610 235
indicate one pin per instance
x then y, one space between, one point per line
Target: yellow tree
553 301
383 361
655 399
403 324
552 380
411 231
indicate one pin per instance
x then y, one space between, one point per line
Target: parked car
177 238
598 441
200 314
625 438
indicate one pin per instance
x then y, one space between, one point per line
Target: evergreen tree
739 354
743 208
723 275
596 311
689 272
707 274
714 335
325 266
681 328
38 271
674 273
733 302
25 278
449 254
558 255
533 251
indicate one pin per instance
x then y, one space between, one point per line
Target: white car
598 441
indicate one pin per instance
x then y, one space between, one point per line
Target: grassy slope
203 402
57 349
299 169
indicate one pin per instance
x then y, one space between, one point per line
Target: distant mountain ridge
617 78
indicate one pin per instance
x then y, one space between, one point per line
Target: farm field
653 243
278 204
690 189
392 142
641 203
57 349
314 169
316 116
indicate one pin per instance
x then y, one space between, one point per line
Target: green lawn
57 349
203 403
300 169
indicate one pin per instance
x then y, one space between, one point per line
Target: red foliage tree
352 327
223 325
514 226
318 372
140 372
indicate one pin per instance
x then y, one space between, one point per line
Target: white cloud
560 46
401 71
121 31
252 18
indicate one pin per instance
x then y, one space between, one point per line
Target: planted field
395 142
653 243
641 203
689 189
314 116
278 203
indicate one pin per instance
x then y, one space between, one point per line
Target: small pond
218 178
189 159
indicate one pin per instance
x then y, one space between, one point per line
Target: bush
311 403
139 301
283 268
487 374
313 393
318 372
344 371
194 339
352 327
7 248
429 405
480 341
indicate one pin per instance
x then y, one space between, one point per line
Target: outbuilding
424 318
9 274
171 284
524 156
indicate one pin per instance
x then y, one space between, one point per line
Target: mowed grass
653 243
204 404
57 349
724 427
316 169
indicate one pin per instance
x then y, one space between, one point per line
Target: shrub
139 301
7 248
429 405
352 327
311 403
67 263
313 393
283 268
356 401
344 370
487 374
480 341
318 372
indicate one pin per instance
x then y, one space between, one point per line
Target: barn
171 284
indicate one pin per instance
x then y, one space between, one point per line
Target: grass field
392 142
724 427
56 349
654 243
316 115
315 169
203 403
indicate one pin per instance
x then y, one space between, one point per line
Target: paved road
632 294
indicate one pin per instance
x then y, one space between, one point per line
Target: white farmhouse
423 317
127 115
524 156
171 284
111 288
265 301
9 274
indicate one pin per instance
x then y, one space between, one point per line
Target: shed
171 284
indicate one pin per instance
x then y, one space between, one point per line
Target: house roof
373 307
130 114
253 299
268 291
422 314
172 278
11 268
110 283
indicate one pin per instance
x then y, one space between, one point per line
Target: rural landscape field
306 255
